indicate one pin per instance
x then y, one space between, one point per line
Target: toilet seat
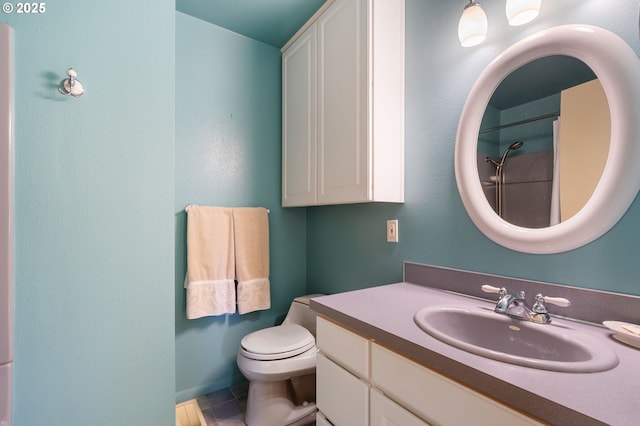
279 342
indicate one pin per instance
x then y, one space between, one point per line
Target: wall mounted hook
71 85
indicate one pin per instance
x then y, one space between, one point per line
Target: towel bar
186 208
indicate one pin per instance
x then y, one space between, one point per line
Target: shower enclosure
516 155
525 188
6 222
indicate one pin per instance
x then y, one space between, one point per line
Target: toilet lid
282 341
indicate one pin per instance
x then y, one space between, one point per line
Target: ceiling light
472 28
520 12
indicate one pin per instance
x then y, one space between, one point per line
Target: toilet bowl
280 364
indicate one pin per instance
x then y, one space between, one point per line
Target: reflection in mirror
535 172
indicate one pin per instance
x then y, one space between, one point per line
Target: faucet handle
539 307
491 289
558 301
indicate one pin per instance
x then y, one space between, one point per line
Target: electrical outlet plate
392 231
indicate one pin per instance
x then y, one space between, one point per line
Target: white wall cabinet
299 136
343 106
360 382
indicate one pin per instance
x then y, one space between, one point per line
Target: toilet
280 364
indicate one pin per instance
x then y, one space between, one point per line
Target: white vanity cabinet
385 412
343 106
360 382
342 375
344 394
434 397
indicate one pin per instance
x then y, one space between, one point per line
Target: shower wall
527 185
6 222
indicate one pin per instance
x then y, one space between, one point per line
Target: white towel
251 233
210 262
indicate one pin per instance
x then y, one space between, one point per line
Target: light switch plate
392 231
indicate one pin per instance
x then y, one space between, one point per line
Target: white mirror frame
618 68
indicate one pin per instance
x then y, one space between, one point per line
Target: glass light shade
520 12
472 28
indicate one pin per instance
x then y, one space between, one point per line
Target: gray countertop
385 313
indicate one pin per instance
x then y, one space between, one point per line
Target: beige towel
251 231
210 262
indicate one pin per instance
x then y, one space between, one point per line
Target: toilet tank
300 313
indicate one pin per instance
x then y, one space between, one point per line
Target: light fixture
472 28
520 12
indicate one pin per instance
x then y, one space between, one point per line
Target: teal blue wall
228 154
346 244
101 187
94 185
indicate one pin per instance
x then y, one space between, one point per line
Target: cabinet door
343 149
341 397
299 97
385 412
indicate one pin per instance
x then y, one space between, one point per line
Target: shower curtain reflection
554 215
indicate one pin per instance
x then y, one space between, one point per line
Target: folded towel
210 262
251 232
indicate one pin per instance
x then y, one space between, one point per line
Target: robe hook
71 85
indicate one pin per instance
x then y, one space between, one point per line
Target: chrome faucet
515 306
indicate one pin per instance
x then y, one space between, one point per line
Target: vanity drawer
341 397
344 347
385 412
432 396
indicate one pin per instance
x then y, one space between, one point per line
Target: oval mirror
617 179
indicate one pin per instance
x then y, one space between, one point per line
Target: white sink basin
543 346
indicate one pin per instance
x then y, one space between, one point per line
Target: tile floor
225 407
